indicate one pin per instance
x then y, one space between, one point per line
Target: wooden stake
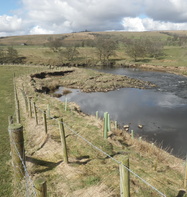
45 121
124 179
40 187
63 140
26 100
17 150
35 113
30 107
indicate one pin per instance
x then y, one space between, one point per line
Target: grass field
6 109
36 51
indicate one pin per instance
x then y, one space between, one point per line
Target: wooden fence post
45 121
18 119
17 149
40 187
35 113
124 179
30 107
25 99
63 140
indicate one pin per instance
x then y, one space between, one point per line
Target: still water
162 110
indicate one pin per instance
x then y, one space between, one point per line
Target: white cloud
76 15
148 24
62 16
39 30
10 23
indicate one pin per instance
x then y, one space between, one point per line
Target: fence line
89 143
100 150
26 174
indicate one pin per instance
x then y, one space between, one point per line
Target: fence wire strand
104 153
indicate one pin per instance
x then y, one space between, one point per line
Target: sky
25 17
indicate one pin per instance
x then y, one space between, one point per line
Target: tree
154 48
105 48
144 47
136 49
69 53
10 55
55 44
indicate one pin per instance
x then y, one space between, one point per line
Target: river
162 110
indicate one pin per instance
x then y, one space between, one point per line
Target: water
162 111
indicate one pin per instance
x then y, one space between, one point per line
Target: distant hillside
158 48
42 39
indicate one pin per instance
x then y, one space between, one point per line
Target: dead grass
90 171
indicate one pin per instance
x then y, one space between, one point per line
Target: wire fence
92 169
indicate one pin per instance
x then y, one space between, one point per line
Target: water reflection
162 113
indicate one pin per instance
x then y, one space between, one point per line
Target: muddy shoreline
169 69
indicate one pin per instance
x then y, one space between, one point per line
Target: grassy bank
6 109
91 172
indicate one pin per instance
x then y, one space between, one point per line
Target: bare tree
105 48
55 45
144 47
69 53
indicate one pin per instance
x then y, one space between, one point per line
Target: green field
37 52
6 109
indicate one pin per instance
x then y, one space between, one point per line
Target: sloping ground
91 172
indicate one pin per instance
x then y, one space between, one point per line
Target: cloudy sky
19 17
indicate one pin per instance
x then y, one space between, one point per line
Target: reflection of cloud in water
171 101
159 112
